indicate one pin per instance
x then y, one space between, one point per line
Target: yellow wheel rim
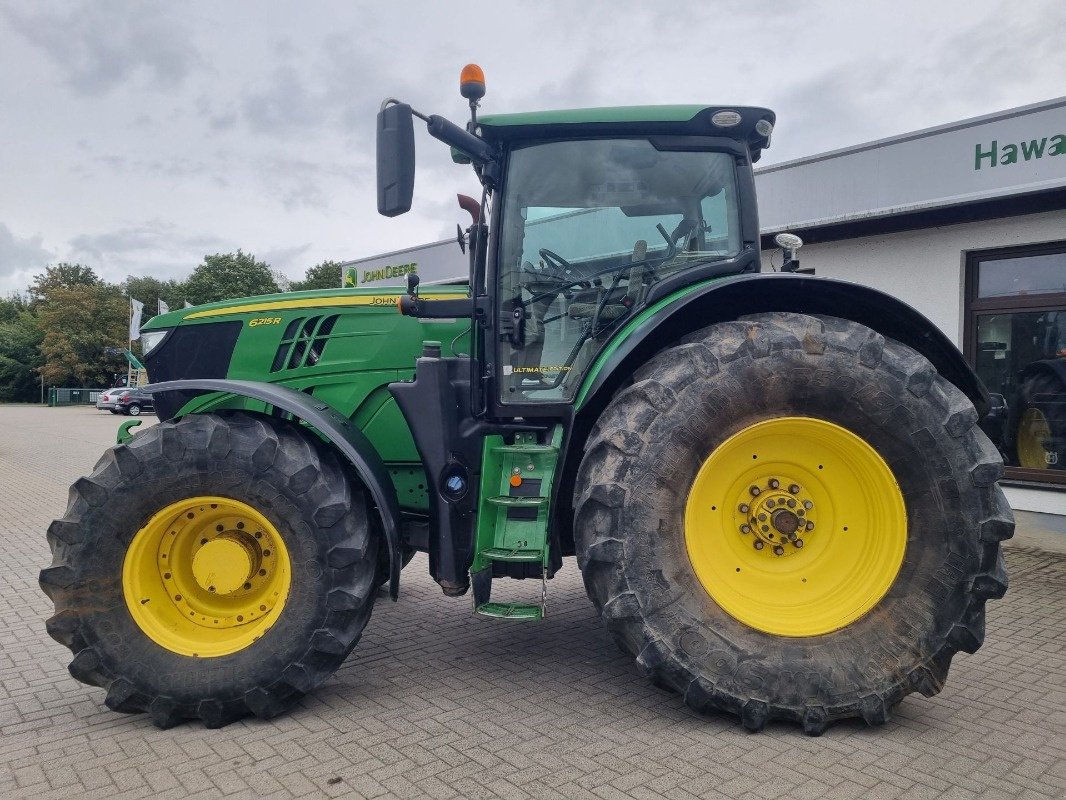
206 576
1033 431
795 526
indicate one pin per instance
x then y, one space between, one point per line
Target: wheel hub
226 563
774 515
206 576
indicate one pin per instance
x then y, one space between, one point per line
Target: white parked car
108 401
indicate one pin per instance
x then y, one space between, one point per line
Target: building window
1016 341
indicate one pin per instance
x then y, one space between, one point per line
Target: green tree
63 275
79 325
326 275
229 275
20 354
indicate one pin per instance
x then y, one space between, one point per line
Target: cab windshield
589 227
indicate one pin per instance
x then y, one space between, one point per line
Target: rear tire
134 410
635 542
102 564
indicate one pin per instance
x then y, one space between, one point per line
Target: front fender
730 298
338 430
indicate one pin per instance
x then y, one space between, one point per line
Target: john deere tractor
775 484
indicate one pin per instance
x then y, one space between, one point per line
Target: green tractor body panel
342 346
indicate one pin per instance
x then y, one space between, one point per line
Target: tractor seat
611 311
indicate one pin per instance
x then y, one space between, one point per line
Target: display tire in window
1040 439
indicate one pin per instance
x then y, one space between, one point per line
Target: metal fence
58 396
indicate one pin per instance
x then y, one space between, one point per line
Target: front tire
210 568
903 557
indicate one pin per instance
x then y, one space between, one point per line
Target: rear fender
337 430
720 300
730 298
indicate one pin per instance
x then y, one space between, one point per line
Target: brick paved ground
435 703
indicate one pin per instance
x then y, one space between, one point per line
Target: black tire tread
262 440
601 493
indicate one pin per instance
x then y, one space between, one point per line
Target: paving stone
437 703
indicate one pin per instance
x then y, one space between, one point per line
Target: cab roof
675 120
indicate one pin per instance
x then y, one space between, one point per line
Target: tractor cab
590 231
595 215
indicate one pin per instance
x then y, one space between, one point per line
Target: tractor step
503 554
513 513
526 448
515 611
514 501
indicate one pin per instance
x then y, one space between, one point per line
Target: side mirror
396 159
412 284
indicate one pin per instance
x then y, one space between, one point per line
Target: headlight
151 339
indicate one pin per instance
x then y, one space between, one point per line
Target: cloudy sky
137 136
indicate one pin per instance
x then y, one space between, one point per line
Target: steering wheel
560 266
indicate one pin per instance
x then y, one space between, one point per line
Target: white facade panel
1009 153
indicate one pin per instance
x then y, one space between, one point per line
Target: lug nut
744 508
797 542
779 550
745 528
755 490
765 528
794 488
810 525
791 503
762 518
807 504
758 545
516 471
774 483
770 504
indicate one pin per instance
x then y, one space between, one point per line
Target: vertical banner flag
163 307
136 308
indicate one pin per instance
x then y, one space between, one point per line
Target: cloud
98 46
288 260
20 258
286 104
154 247
299 183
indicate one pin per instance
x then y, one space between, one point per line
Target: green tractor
775 484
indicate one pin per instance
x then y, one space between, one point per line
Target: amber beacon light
472 82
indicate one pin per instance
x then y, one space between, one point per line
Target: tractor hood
301 339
